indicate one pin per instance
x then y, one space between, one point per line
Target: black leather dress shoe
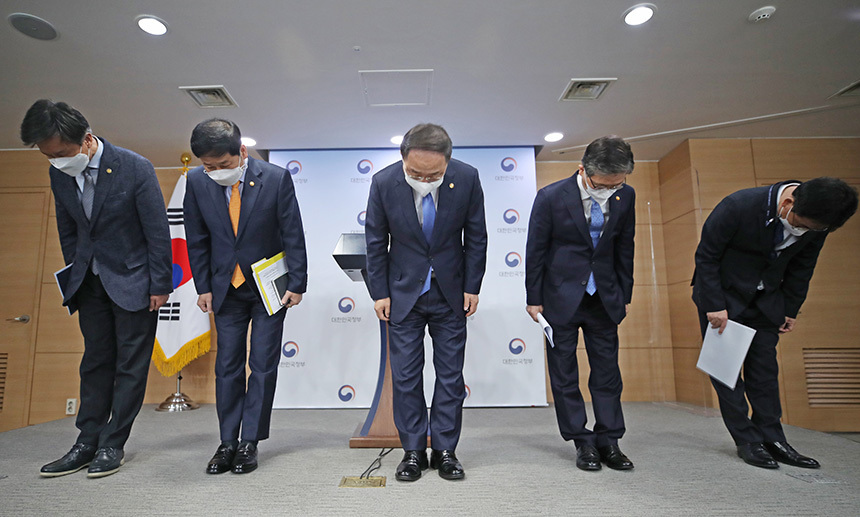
785 453
411 465
107 461
77 458
448 465
222 461
246 458
614 458
587 458
756 455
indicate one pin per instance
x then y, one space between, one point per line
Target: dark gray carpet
516 464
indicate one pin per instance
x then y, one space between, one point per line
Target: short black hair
216 137
828 201
608 155
46 119
427 137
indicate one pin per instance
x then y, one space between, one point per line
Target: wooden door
23 215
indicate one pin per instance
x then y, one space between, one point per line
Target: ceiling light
639 14
33 26
248 142
397 139
151 25
553 137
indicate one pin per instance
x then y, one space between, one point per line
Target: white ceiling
499 67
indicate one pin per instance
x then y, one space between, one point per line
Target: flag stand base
178 401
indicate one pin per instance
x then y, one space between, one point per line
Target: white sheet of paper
547 330
723 354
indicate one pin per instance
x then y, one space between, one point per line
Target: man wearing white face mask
239 210
426 254
579 275
114 235
753 265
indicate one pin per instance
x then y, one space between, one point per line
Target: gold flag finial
186 159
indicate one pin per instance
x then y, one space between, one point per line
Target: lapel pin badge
109 170
617 198
251 183
450 185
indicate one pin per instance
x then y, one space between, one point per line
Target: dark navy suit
128 237
736 255
269 223
560 257
398 259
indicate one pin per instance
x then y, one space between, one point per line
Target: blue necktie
778 237
428 208
594 229
87 197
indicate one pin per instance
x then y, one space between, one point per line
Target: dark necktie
88 194
594 229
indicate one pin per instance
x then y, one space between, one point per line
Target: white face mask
227 177
422 187
600 195
71 165
793 230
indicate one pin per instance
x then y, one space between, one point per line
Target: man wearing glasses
426 254
753 265
579 274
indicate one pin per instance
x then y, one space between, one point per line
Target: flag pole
178 401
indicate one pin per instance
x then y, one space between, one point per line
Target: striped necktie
594 229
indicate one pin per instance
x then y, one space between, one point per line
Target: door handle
21 319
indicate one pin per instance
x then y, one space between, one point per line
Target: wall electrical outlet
71 406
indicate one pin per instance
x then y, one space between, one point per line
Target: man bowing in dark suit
426 255
753 265
239 210
579 274
115 238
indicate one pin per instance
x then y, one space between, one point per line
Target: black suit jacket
128 234
398 255
560 256
736 252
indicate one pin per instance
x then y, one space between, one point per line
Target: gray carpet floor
515 461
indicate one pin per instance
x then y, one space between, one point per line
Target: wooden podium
378 429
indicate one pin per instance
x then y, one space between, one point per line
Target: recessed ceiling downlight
152 25
553 137
32 26
639 14
397 139
248 141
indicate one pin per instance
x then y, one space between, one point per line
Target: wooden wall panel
691 385
57 332
647 323
778 159
55 379
684 316
53 252
547 173
649 260
721 166
24 168
680 247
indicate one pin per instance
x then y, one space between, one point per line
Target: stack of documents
271 278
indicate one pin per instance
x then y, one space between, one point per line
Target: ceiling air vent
852 90
210 96
585 89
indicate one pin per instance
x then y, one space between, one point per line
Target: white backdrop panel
331 343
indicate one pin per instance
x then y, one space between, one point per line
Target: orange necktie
235 209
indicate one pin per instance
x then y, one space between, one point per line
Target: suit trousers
117 351
601 344
759 384
238 406
406 342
